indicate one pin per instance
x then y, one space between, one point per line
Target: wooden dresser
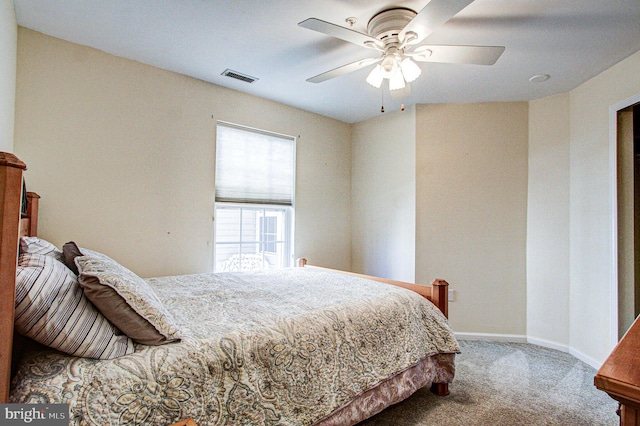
619 376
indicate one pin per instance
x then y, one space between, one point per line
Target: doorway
628 208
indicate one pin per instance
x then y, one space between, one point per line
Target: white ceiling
571 40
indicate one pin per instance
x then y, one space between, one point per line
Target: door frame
613 183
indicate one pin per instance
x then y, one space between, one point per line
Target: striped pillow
37 245
51 309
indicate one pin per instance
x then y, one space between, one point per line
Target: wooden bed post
440 295
32 213
11 169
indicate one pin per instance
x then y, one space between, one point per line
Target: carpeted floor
508 384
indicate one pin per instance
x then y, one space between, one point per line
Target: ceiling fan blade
476 55
345 69
432 16
342 33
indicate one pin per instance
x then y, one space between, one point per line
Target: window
268 234
255 173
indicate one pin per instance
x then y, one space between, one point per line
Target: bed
299 346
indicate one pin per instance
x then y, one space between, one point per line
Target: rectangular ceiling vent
239 76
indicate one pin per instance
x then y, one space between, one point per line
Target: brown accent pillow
122 297
70 251
116 309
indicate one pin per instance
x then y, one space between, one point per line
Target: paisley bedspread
284 347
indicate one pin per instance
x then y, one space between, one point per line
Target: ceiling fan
397 34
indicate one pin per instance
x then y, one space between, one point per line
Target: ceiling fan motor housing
386 25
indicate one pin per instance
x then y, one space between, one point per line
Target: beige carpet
509 384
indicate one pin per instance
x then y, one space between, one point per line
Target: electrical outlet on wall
451 296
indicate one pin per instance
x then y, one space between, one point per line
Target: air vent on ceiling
239 76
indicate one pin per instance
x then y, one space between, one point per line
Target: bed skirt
438 368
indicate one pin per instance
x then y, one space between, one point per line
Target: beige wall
571 258
383 196
592 325
471 208
548 222
464 170
123 156
8 40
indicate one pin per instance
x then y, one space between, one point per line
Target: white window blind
254 166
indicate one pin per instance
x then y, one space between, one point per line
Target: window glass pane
249 226
227 225
250 237
268 233
239 257
225 256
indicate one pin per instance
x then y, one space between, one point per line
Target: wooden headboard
14 224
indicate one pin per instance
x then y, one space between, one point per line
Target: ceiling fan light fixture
375 77
388 66
410 70
396 82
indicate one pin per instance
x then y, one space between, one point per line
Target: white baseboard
520 338
586 359
548 344
516 338
565 348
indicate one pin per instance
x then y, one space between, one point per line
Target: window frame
288 231
288 210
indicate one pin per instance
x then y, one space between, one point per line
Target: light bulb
375 77
388 66
410 70
396 81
